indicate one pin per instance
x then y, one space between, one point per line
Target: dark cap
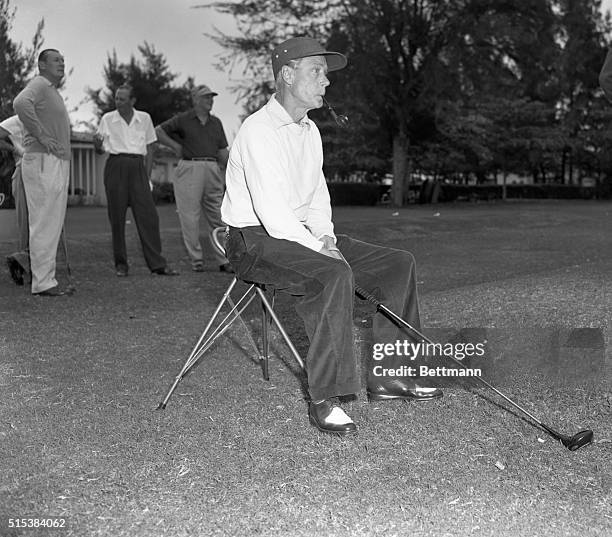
202 91
302 47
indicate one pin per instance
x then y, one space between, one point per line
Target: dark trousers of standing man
326 289
127 184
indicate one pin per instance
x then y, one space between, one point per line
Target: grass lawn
234 455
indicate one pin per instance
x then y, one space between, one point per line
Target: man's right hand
98 141
178 150
330 249
52 146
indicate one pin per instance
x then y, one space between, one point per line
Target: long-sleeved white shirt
275 178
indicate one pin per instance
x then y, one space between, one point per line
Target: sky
86 31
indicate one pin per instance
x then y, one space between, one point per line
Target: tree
584 39
151 80
409 59
17 65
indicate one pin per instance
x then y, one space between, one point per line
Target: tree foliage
152 81
17 64
453 88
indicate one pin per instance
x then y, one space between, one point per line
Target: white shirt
275 178
16 132
119 137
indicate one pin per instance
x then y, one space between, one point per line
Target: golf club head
577 441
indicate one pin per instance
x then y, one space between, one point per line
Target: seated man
281 235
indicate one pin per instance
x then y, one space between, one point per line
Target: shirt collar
191 114
281 117
117 117
47 81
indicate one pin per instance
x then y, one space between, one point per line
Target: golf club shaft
397 319
72 288
65 246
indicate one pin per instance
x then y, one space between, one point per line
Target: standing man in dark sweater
45 167
197 137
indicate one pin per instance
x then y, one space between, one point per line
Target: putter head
577 441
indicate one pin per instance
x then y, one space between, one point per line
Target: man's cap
302 47
202 91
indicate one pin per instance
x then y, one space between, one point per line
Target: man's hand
52 146
330 249
98 141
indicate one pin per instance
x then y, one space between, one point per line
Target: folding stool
215 327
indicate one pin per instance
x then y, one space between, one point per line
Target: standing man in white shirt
45 167
18 262
281 235
128 135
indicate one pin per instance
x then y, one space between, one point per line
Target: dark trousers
325 287
127 184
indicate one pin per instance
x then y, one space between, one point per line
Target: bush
450 192
356 193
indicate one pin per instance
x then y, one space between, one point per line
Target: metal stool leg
209 336
264 341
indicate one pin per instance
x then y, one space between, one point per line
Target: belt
201 159
129 155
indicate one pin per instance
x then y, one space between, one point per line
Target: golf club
572 443
341 120
71 288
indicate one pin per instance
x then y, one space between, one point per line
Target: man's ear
288 74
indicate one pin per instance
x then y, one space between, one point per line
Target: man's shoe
53 291
329 418
15 269
398 389
165 272
226 267
197 266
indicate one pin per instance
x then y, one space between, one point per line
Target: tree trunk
400 170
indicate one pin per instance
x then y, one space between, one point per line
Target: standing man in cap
197 137
128 135
45 167
281 235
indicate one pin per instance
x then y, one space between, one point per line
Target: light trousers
21 209
198 188
45 180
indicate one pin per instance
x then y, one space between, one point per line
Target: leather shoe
226 267
53 291
15 269
398 389
330 418
165 272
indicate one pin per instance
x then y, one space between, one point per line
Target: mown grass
81 377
